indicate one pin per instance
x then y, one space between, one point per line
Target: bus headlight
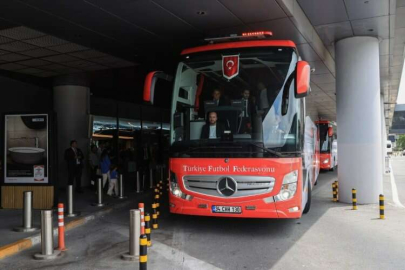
289 186
326 161
175 189
174 186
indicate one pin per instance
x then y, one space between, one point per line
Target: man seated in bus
217 98
213 130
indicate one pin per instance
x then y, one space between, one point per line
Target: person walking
105 164
113 181
74 159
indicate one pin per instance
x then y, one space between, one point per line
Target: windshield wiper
275 153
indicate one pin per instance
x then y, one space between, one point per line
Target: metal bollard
354 199
334 192
134 234
70 212
99 202
61 228
337 190
138 183
147 229
143 252
157 204
155 224
382 207
151 178
121 188
47 251
27 214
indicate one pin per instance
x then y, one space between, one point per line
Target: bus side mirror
302 79
150 84
330 131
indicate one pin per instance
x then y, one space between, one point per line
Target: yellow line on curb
11 249
20 245
75 223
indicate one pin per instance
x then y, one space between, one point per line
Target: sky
401 91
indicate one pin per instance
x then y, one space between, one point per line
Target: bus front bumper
255 208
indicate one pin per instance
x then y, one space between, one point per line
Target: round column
71 100
359 119
383 133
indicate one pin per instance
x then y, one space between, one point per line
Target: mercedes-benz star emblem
227 186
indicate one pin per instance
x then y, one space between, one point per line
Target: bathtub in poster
26 148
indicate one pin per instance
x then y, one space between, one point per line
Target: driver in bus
213 130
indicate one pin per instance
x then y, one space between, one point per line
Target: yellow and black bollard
147 228
161 188
382 207
334 192
143 252
155 224
157 197
354 199
337 190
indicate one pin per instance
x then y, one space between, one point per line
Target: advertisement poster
26 149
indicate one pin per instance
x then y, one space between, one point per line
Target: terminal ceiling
46 38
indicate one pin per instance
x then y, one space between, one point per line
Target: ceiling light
201 13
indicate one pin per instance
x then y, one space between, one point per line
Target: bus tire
308 204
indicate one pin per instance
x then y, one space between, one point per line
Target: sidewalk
12 242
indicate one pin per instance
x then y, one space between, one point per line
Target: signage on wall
26 149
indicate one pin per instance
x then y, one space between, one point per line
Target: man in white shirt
214 130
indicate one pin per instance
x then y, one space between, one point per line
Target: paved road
330 236
398 168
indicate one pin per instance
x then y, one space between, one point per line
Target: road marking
186 261
395 196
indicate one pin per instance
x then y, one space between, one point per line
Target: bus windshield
324 138
254 111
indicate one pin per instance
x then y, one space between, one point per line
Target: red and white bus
241 144
328 144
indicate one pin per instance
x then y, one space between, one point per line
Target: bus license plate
227 209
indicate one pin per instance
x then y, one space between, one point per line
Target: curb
25 243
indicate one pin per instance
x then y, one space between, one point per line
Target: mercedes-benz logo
227 186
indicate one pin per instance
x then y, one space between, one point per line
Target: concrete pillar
71 99
383 132
359 119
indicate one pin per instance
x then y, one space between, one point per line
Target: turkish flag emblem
230 66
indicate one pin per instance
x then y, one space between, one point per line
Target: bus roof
240 44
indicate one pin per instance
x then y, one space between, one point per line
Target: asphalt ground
330 236
398 167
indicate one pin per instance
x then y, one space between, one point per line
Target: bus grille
246 185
